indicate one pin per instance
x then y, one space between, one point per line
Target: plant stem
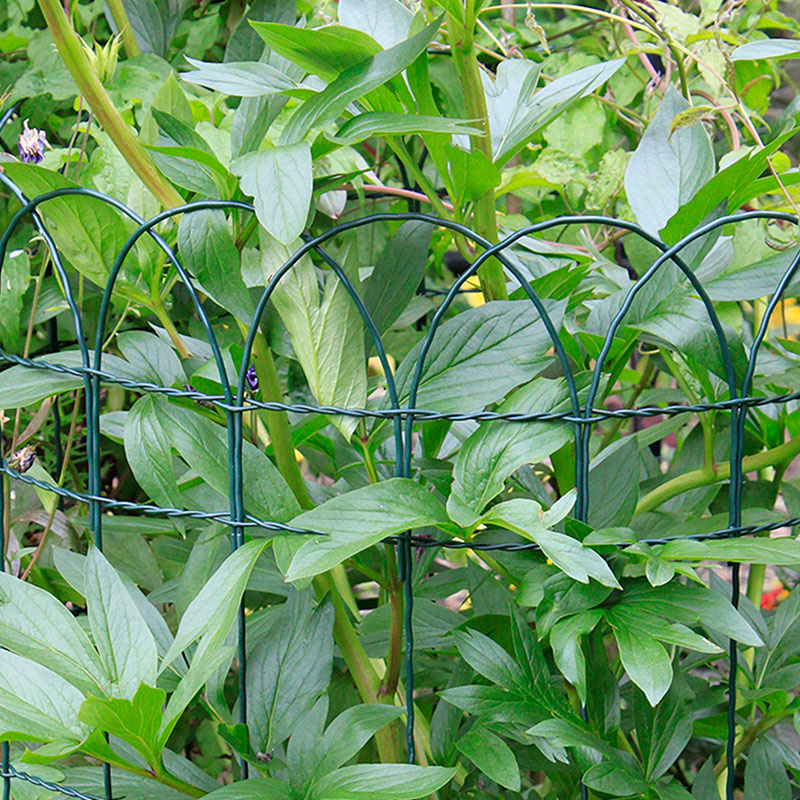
124 27
164 318
89 85
717 472
492 278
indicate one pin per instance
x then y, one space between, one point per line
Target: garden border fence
234 402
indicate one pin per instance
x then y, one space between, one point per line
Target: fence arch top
234 401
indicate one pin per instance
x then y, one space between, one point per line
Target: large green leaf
351 730
239 79
499 448
381 782
151 357
565 639
87 231
491 755
530 113
479 356
37 703
210 254
325 52
489 659
280 181
288 670
782 552
327 337
135 721
386 21
528 519
121 635
204 446
35 624
357 520
16 274
353 83
666 170
766 48
214 609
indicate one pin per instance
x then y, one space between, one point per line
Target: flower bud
103 59
23 459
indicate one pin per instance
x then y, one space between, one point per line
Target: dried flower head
23 459
32 143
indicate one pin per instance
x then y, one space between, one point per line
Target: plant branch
124 27
715 473
90 86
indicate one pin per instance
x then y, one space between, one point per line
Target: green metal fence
234 402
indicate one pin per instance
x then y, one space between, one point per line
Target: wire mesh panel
400 409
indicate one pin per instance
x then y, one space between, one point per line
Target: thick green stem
89 85
124 27
493 282
718 472
164 318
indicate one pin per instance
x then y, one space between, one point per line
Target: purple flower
32 143
23 459
252 378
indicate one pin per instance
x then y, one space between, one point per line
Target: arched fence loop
400 410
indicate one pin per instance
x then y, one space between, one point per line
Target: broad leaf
781 552
766 48
355 82
152 358
479 356
135 721
36 703
280 181
386 21
239 79
35 624
678 165
214 609
499 448
387 781
491 755
121 635
360 519
253 789
385 123
288 670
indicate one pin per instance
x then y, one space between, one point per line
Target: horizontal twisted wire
151 510
15 774
424 415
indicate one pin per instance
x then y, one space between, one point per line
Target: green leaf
397 274
360 519
489 659
351 730
679 166
532 112
471 173
210 254
87 231
765 773
527 518
325 52
135 721
386 21
36 703
497 449
288 670
35 624
214 609
477 357
491 755
565 639
327 337
386 123
152 358
253 789
121 635
781 551
16 273
204 446
766 48
609 778
280 181
384 781
353 83
645 660
614 485
238 79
